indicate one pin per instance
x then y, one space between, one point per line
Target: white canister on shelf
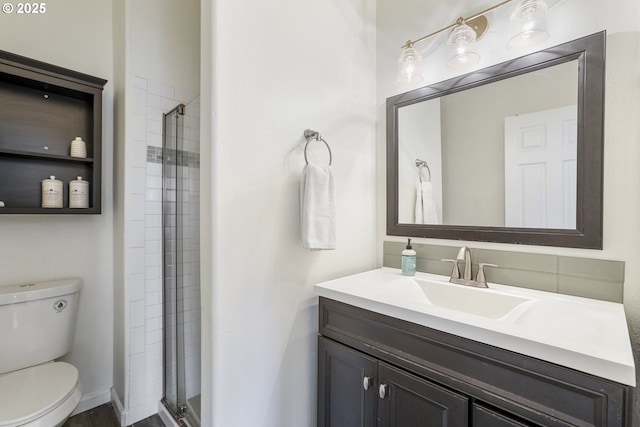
78 193
52 195
78 148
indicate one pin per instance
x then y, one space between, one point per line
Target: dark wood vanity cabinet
432 379
43 107
485 417
347 394
356 390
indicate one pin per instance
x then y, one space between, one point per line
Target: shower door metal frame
178 409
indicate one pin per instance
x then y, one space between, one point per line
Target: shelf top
33 65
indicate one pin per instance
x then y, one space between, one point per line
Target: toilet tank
37 322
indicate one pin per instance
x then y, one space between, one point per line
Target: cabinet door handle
366 382
382 391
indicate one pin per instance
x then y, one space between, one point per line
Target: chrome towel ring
311 135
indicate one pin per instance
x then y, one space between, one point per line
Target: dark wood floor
105 416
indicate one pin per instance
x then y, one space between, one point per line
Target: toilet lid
30 393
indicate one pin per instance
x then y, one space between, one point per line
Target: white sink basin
475 301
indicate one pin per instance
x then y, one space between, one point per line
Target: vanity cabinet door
409 401
485 417
347 396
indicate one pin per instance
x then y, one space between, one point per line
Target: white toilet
37 323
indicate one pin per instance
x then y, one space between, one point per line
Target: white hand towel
318 208
426 211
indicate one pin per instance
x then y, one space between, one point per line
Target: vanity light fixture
462 46
528 26
408 62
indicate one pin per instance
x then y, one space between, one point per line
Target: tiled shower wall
144 246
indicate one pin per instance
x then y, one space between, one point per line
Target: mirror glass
493 147
511 153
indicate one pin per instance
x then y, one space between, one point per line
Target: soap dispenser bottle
409 260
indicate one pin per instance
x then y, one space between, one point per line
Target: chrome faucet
464 255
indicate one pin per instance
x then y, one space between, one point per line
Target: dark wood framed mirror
512 153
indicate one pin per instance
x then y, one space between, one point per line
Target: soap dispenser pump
409 260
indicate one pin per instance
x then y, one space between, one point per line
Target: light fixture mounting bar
460 20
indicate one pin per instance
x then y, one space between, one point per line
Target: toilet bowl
40 396
37 322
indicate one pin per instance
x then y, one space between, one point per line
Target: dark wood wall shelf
43 107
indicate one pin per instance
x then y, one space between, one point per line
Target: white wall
73 34
270 70
567 20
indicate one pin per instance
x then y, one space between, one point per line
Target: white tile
154 388
140 83
154 126
154 272
153 208
154 181
152 234
136 314
135 260
153 246
153 361
155 113
136 392
153 285
138 152
153 311
160 89
154 169
152 260
155 140
136 340
154 101
153 220
139 101
137 366
138 126
138 178
154 195
136 287
137 207
135 234
155 348
154 324
154 336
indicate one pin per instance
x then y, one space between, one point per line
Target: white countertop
580 333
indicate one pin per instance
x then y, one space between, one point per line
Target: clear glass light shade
462 47
528 24
409 66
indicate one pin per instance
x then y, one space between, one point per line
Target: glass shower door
181 267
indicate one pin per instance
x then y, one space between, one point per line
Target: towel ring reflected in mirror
420 164
311 135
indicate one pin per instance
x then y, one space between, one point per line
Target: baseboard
117 406
92 400
166 417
